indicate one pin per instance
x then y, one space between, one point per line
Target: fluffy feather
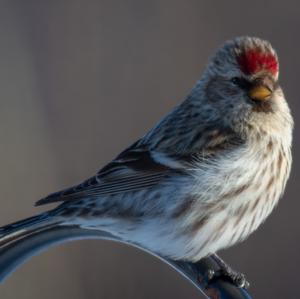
203 178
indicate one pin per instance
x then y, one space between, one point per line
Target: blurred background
81 80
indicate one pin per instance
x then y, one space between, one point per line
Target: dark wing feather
138 168
132 170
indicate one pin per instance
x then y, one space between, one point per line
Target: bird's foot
227 273
238 279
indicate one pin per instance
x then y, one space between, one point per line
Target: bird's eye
241 82
236 81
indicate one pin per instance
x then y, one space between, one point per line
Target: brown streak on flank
219 230
270 145
270 183
240 214
284 153
238 211
236 192
197 225
255 204
279 162
268 149
217 208
272 167
264 171
184 207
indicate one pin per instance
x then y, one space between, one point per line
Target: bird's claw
238 279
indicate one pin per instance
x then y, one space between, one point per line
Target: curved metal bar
195 273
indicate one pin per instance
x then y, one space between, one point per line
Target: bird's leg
228 273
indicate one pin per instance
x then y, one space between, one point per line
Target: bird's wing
141 166
134 169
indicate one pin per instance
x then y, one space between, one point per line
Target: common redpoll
204 178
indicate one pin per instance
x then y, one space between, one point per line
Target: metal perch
195 273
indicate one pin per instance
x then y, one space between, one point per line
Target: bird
201 180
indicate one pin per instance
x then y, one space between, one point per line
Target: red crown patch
254 60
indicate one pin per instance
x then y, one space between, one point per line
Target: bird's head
241 83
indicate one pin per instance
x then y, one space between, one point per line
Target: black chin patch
263 106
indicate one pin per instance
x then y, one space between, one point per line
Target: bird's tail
23 239
18 241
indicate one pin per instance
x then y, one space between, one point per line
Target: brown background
79 81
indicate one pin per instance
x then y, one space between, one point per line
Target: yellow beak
260 93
